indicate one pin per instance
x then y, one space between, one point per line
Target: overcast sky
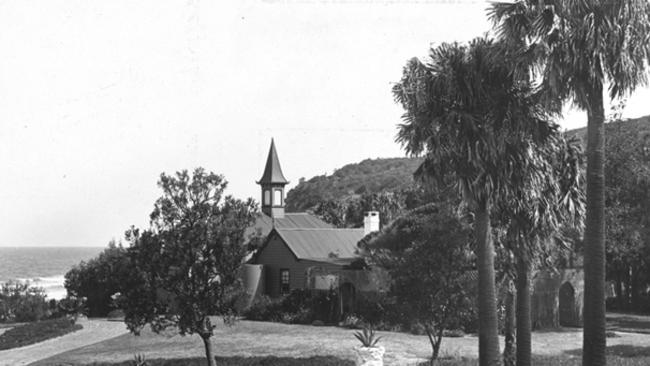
97 98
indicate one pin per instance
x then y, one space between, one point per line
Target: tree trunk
637 288
435 338
620 300
208 351
628 288
509 356
524 325
594 341
488 341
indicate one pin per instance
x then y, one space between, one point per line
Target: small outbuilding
296 243
557 298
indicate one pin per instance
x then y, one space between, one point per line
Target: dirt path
93 331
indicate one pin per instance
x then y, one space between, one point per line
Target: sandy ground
258 339
93 331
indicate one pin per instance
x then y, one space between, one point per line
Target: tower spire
272 170
272 183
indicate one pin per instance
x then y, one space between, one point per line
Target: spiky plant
367 337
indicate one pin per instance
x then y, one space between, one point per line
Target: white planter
370 356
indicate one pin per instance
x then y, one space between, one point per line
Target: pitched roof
323 245
272 170
291 220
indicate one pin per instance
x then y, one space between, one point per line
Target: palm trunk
488 342
509 356
208 351
594 341
524 325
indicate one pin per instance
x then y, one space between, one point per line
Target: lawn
260 339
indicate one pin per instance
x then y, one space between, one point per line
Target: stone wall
549 308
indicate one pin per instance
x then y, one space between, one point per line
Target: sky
98 98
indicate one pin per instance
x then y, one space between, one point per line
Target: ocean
43 266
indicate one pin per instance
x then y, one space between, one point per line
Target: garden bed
30 333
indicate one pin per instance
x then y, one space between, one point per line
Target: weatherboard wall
276 256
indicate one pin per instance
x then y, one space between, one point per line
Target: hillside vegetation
637 126
367 176
396 174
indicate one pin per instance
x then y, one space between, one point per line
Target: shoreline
53 286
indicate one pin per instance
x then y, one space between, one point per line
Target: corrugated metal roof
294 220
321 244
272 170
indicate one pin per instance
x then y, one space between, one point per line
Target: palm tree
475 121
551 199
576 48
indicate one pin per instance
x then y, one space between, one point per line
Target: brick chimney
370 222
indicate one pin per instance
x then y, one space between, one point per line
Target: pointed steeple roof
272 171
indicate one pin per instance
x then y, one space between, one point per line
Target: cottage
300 251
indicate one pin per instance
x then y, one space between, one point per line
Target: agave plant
139 360
367 337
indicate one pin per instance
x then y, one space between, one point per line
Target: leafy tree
189 260
475 120
333 212
578 47
350 211
428 257
99 278
627 208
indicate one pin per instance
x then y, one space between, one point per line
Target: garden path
93 331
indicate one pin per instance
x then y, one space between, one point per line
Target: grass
241 361
334 361
556 361
247 340
30 333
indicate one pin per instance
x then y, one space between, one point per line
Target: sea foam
52 285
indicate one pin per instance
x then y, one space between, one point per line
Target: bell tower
272 184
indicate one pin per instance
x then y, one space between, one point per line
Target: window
284 281
267 197
277 197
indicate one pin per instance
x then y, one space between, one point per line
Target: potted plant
369 353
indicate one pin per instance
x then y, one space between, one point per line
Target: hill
395 174
367 176
640 127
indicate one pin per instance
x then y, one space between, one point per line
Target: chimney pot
370 222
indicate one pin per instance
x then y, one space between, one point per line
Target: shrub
298 307
418 328
352 322
117 315
35 332
324 305
264 308
453 333
72 306
20 302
